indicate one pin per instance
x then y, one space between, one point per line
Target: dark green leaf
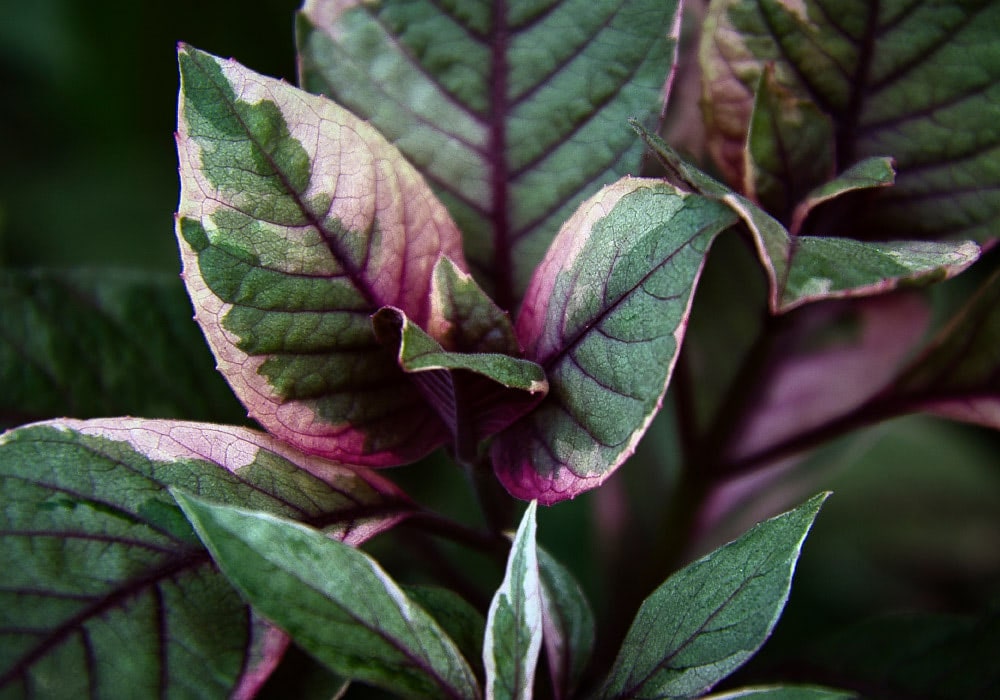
514 625
97 343
514 112
707 619
333 600
460 621
107 591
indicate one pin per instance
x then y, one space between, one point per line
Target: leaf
334 601
804 269
568 625
783 692
958 375
90 343
515 112
463 623
108 592
789 148
918 81
514 625
297 222
604 316
478 386
708 618
915 655
869 173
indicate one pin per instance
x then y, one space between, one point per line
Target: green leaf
783 692
333 600
514 625
460 621
515 112
604 316
707 619
568 625
803 269
475 394
958 375
92 343
869 173
916 80
297 221
789 148
108 592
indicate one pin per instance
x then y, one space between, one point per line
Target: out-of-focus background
88 171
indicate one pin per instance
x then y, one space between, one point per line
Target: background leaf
515 112
90 343
333 600
958 376
604 316
297 221
708 618
514 625
108 592
918 81
568 625
463 623
783 692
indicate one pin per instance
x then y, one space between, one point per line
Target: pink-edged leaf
604 316
918 81
958 376
514 112
266 648
297 221
108 592
475 394
803 269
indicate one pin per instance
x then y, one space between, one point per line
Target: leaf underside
514 112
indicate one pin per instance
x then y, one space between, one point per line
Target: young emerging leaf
514 626
568 625
107 591
333 600
604 316
482 386
802 269
707 619
789 148
514 112
916 80
297 221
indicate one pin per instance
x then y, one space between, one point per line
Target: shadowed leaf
297 221
108 592
103 342
515 112
568 624
783 692
333 600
